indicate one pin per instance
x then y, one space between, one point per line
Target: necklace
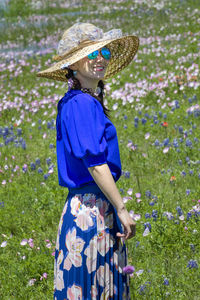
89 91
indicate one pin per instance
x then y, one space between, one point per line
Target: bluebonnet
179 210
19 131
33 167
165 116
175 143
156 143
37 161
166 142
160 113
24 145
180 162
125 117
189 215
183 173
122 191
136 119
191 172
144 121
135 124
48 161
39 121
180 129
192 247
147 225
188 143
148 194
142 289
147 215
166 281
46 176
196 140
125 126
192 264
151 203
127 174
187 192
48 124
51 146
40 171
185 133
137 244
187 158
155 214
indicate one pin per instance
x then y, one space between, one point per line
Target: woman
90 249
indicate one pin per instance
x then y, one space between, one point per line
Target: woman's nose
99 57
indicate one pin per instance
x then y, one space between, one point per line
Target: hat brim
122 50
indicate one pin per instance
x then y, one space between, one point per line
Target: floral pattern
89 258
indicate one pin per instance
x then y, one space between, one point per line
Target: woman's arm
104 179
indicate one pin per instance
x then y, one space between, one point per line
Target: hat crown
81 32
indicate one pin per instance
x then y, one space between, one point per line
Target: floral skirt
89 257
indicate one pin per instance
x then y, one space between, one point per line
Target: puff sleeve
83 128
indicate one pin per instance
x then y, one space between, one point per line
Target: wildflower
192 264
142 289
147 225
37 161
166 281
164 124
192 247
187 192
173 178
188 143
128 269
147 216
179 211
4 244
155 214
46 176
48 161
40 171
33 167
148 194
31 282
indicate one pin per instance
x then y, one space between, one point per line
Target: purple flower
128 269
166 281
192 264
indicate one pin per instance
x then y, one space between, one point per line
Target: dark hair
77 85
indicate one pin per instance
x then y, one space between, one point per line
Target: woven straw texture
122 50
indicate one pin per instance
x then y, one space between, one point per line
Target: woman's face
91 68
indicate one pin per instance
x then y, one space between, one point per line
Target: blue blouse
85 138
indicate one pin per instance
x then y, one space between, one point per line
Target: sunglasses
105 53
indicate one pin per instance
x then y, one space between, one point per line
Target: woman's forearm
104 179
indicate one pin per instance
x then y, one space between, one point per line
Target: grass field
155 105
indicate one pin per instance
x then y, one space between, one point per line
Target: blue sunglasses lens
104 51
93 55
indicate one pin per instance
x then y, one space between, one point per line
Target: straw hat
82 39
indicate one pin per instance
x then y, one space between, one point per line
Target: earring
74 73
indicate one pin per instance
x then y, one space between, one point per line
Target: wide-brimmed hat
82 39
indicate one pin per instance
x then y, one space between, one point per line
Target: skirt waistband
85 189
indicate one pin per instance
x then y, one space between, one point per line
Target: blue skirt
89 257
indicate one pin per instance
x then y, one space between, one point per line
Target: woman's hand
128 224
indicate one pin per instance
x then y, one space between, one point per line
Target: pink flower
128 269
